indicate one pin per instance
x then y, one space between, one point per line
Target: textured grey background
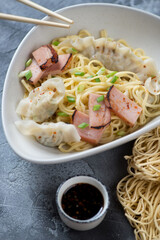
27 191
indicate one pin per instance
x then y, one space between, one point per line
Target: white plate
140 29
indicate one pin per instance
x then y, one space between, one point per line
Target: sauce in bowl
82 201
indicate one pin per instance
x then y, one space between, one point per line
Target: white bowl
140 29
82 225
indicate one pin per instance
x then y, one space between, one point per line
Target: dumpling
114 56
42 101
49 134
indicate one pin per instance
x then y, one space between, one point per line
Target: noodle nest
145 161
139 192
141 202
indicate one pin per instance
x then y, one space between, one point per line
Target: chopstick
32 20
45 10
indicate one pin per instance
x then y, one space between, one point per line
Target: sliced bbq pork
81 122
36 72
99 114
122 106
45 56
58 68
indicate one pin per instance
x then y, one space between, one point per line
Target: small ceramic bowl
76 224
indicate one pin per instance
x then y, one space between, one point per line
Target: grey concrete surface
27 191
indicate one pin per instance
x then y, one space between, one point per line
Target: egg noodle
145 161
79 87
139 192
141 202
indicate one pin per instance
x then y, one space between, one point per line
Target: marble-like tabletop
27 191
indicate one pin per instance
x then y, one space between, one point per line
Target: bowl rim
88 152
99 214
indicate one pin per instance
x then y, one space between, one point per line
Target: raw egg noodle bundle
145 161
141 202
79 87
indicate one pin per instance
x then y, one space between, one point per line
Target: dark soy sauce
82 201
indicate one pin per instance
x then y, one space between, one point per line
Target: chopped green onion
70 99
90 77
28 63
79 73
108 88
83 125
22 74
55 43
62 114
114 79
81 88
96 107
28 75
100 99
101 71
97 80
121 133
111 74
71 50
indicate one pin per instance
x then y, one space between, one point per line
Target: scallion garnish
81 88
70 99
79 73
71 50
108 88
114 79
62 114
90 76
100 99
28 75
96 107
97 80
101 71
22 74
111 74
121 133
28 63
55 43
83 125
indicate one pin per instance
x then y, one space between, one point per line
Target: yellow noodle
103 33
144 163
141 202
139 192
27 86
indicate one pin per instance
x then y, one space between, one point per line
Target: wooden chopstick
32 20
45 10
